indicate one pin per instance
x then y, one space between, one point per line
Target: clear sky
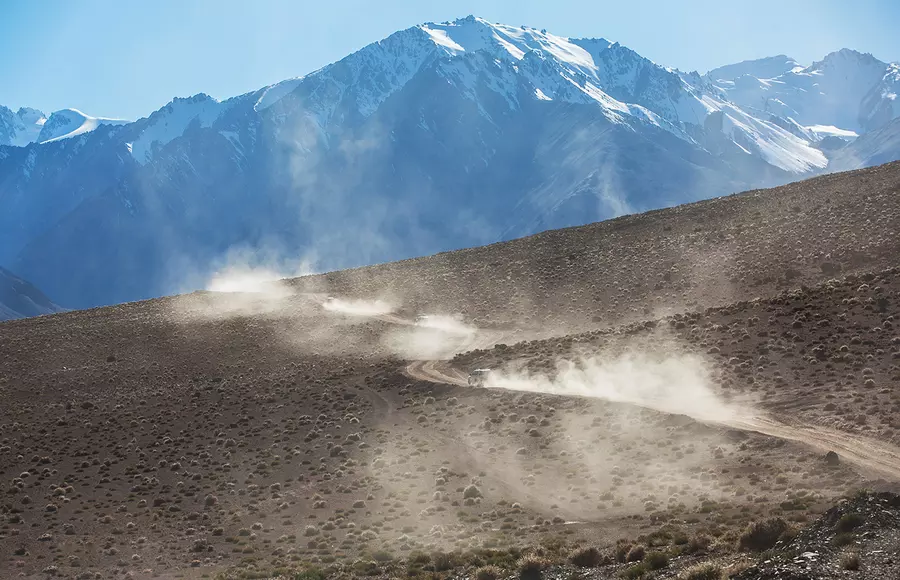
127 58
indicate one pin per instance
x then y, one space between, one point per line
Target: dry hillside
710 366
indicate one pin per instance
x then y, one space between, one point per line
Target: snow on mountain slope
874 148
71 123
171 121
881 105
20 299
822 131
273 93
20 128
439 136
774 144
629 88
828 92
760 68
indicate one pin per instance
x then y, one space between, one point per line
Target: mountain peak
20 128
30 113
762 68
67 123
848 56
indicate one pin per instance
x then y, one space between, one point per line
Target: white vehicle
478 377
421 320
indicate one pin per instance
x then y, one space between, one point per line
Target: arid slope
204 433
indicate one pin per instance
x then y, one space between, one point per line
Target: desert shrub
311 531
635 554
656 560
310 574
698 543
366 568
843 539
442 561
849 522
702 572
850 561
471 491
761 536
487 573
633 572
531 567
382 556
586 557
621 552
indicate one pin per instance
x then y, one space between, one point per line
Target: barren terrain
659 382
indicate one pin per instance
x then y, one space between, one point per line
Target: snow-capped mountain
881 103
827 93
437 137
27 125
20 299
20 128
69 123
760 68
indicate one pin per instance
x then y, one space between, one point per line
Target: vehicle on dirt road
478 377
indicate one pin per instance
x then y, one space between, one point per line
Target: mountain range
437 137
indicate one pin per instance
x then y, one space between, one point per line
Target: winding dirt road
873 457
435 371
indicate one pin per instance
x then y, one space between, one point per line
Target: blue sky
128 58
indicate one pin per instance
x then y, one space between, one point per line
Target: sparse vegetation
531 567
589 557
850 561
763 535
488 573
702 572
253 451
849 522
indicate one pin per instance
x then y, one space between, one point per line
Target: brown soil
197 434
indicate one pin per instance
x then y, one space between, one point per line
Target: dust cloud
248 280
421 343
444 323
666 382
431 337
358 307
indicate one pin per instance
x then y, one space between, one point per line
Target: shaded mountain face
880 146
20 299
438 137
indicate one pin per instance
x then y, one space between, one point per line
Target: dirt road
435 371
873 457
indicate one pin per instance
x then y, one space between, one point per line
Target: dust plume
421 343
358 307
448 324
431 337
247 280
671 383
